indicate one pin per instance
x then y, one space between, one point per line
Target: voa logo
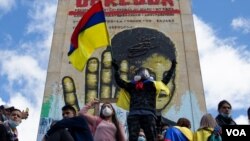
236 132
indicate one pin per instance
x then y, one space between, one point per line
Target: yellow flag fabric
187 132
89 40
89 34
202 134
123 100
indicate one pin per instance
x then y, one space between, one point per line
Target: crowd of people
10 118
84 126
141 120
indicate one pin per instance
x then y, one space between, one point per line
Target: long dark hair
114 120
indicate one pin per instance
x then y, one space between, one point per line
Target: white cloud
19 73
16 67
24 72
242 24
25 67
225 68
2 102
241 120
5 6
42 17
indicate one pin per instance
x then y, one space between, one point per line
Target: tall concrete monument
148 33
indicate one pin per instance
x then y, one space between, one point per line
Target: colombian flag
177 133
90 33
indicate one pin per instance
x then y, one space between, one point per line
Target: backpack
214 137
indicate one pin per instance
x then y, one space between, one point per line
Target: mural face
135 48
148 48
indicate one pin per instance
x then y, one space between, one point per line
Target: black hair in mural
139 43
144 47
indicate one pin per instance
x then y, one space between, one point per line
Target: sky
26 27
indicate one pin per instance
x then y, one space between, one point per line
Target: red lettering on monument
129 12
124 2
81 3
166 2
108 3
153 2
139 2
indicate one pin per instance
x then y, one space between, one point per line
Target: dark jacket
6 134
77 126
224 120
143 92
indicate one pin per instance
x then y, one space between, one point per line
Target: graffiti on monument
141 37
124 14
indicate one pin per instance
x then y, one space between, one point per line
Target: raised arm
167 78
91 119
120 82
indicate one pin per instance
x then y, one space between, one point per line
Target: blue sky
26 27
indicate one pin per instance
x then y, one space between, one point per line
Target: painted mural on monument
148 33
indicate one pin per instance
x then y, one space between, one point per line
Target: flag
90 33
177 133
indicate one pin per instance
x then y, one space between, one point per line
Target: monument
148 33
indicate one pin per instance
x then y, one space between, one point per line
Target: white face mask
107 112
141 138
225 115
13 124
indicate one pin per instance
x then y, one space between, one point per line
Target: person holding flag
89 34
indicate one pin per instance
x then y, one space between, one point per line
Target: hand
25 114
95 101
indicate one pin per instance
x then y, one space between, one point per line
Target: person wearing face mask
141 136
106 126
142 107
224 116
8 129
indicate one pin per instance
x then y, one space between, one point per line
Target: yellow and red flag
90 33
